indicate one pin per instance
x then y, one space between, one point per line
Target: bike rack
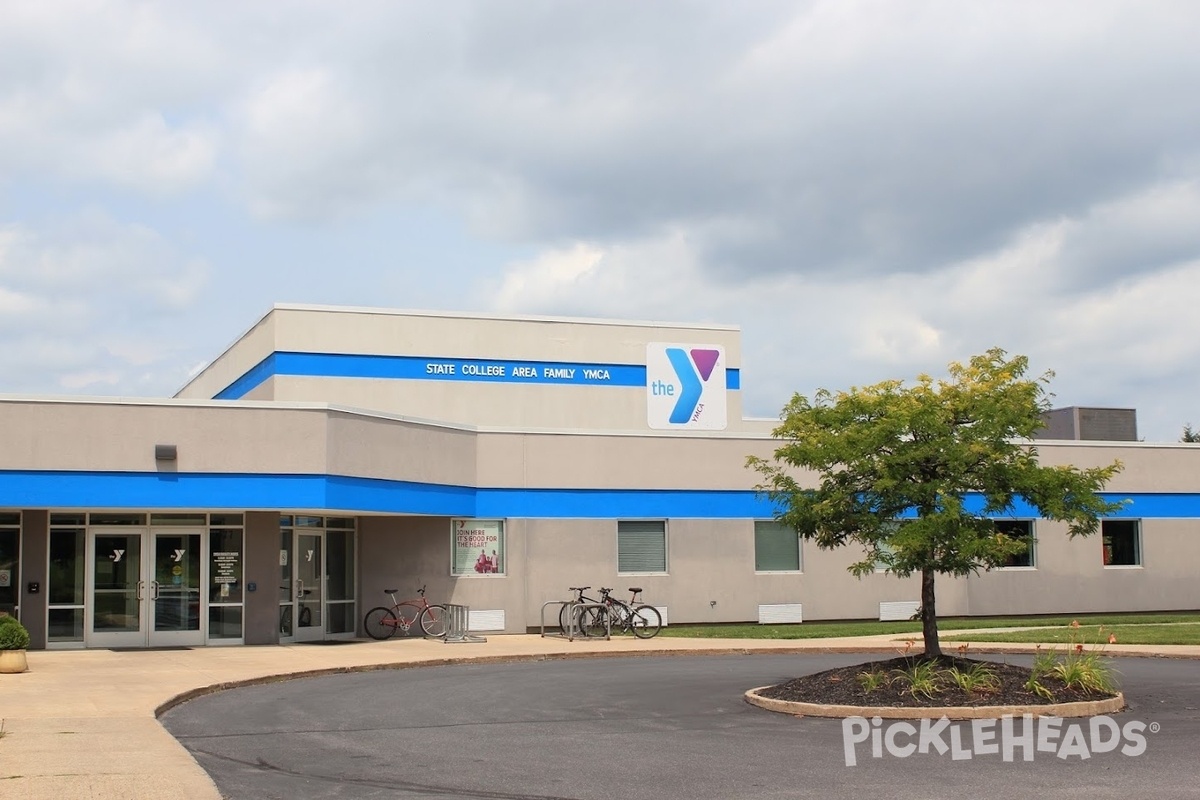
457 623
572 632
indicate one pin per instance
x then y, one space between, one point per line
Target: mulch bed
842 687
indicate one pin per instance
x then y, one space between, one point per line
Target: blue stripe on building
341 494
343 365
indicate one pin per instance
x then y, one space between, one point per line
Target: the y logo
179 555
701 362
116 556
685 386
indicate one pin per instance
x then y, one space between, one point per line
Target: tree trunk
929 614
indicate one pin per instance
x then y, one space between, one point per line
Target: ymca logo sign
685 387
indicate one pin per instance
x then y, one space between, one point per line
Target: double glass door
145 587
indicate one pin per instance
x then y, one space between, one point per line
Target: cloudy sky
868 189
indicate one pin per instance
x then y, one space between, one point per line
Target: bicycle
616 616
580 598
285 615
382 622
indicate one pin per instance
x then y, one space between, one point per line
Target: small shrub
13 635
1085 670
1035 685
979 679
1077 668
1044 662
921 678
873 680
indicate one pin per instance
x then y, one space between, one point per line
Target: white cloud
870 189
88 300
543 281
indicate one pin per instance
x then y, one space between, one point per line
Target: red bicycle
382 622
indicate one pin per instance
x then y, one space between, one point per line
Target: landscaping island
1075 683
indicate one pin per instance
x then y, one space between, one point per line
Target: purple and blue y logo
685 386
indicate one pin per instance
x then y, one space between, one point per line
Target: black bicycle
285 615
614 616
563 612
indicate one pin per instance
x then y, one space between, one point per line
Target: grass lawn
827 630
1188 633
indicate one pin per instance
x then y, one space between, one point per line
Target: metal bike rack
572 632
457 624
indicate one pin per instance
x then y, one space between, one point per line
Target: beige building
333 453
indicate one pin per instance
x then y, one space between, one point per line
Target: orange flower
1074 623
1078 648
1112 638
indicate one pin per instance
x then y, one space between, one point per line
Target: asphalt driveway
662 728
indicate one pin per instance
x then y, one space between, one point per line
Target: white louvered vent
780 613
899 611
486 620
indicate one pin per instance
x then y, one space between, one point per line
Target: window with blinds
642 546
776 547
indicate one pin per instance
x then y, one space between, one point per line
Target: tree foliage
915 475
1189 435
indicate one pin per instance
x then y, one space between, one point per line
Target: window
65 579
1021 529
885 548
477 547
642 546
776 547
10 541
225 583
1122 542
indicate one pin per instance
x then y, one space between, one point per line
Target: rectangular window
225 580
885 549
477 547
1020 529
224 622
64 584
10 561
1122 542
776 547
225 566
642 546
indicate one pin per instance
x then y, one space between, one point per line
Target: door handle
153 590
299 589
141 588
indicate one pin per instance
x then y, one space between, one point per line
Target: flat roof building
332 453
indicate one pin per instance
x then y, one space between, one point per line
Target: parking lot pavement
83 723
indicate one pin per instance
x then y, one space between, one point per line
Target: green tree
945 457
1190 436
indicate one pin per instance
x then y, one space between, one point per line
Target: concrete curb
1087 708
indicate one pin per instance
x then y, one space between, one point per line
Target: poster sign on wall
477 547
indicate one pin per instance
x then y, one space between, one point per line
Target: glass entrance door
174 588
310 586
144 588
317 578
117 589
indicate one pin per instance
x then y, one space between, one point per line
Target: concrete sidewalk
82 723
